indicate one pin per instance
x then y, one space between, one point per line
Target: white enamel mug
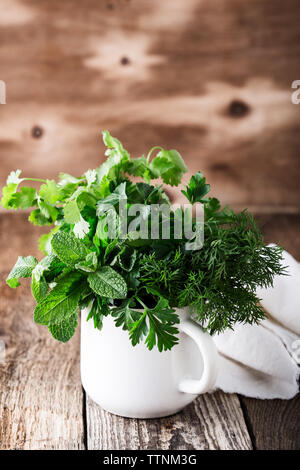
137 383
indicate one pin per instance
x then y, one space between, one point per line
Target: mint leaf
68 248
39 288
61 303
64 330
89 265
23 268
108 283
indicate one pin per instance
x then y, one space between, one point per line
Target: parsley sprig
140 282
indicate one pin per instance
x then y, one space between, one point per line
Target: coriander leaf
37 218
91 177
48 211
71 212
66 179
68 248
23 268
108 283
24 199
49 192
81 228
8 193
64 330
61 303
169 165
13 177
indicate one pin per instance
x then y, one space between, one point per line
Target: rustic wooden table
43 406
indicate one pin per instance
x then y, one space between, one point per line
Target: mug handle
209 355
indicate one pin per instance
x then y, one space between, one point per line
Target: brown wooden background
211 78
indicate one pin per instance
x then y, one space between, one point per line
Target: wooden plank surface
40 390
274 424
41 400
209 77
213 421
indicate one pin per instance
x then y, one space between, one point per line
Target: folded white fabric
263 360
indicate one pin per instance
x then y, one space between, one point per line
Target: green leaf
68 248
23 268
108 283
169 165
197 188
37 218
161 329
125 316
8 193
48 211
50 192
61 303
99 309
71 212
138 329
64 330
89 265
39 288
24 199
81 228
13 177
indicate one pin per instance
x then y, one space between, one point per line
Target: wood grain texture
274 424
41 401
209 77
212 421
40 390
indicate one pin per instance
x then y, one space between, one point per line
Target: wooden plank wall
211 78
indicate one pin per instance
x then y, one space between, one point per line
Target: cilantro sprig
140 282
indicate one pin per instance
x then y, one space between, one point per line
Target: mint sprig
139 281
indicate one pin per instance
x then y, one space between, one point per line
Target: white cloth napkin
262 361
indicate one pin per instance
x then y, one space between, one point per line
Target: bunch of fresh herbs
139 281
